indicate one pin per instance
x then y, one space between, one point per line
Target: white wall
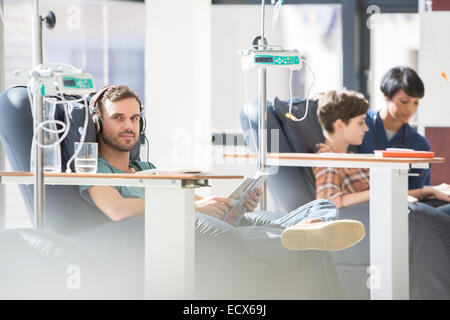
233 28
316 31
178 82
2 152
395 40
433 59
301 27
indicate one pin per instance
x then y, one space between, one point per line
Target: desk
169 243
389 249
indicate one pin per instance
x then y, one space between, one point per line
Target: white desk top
109 179
343 160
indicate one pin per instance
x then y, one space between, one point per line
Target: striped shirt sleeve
328 185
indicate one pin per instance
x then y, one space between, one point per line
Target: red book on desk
403 153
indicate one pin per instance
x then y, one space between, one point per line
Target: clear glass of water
86 160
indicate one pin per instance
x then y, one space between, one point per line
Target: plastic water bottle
52 153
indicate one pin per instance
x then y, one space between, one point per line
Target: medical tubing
290 89
43 124
246 110
65 127
148 146
83 136
263 19
7 27
307 94
276 13
31 99
61 64
75 100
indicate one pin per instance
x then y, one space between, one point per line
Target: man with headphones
117 114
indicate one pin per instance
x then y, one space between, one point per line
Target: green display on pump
276 60
78 83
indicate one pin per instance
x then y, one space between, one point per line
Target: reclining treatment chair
292 187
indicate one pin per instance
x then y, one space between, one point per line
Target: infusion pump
270 58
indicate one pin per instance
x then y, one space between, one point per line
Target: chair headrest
302 135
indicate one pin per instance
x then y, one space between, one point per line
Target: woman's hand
322 147
431 192
213 206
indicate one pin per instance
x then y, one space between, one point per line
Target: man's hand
213 206
251 202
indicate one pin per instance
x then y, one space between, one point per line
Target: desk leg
389 245
169 243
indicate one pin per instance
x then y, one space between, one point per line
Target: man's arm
116 207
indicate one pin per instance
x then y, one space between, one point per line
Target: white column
2 152
178 82
2 190
434 50
169 243
389 248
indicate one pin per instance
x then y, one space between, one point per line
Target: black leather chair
291 187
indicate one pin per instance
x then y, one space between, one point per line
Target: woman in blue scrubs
389 128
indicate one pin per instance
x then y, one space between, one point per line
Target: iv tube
290 115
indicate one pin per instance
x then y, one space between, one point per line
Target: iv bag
51 151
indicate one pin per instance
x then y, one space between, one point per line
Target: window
92 35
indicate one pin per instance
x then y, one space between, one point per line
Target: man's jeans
317 209
445 208
249 261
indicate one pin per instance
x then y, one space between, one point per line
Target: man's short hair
402 78
341 104
116 93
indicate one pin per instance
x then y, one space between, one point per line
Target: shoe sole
327 236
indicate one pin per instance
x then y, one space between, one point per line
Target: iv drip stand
262 115
39 187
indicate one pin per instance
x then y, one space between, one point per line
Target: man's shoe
325 236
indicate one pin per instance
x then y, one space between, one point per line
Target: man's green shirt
103 166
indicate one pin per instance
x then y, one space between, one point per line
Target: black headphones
98 120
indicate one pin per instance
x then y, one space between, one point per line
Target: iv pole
262 56
39 187
262 115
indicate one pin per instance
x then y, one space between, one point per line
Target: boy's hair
402 78
341 104
116 93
